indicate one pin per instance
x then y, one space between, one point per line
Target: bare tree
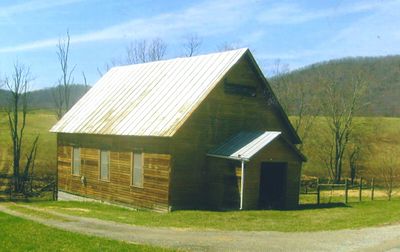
17 112
388 170
226 46
340 101
138 51
85 82
141 51
296 100
354 157
191 45
62 92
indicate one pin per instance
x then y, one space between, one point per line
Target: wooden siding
190 180
220 116
223 183
278 151
225 193
156 169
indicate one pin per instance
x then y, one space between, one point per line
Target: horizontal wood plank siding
156 171
224 190
277 151
195 182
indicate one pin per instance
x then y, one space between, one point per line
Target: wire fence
44 187
322 191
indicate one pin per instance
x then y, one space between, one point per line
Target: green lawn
17 234
380 135
309 218
39 123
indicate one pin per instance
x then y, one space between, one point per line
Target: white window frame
73 165
108 165
133 168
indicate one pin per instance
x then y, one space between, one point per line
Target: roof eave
283 114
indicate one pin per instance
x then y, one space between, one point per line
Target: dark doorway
272 185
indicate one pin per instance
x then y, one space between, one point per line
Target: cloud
30 6
376 34
373 34
205 19
30 46
291 13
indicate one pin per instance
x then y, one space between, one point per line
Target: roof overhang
292 132
244 145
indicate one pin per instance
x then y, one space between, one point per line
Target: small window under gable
239 89
137 169
104 165
76 161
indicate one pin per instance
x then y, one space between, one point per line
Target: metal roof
244 145
150 99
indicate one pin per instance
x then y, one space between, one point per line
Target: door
272 185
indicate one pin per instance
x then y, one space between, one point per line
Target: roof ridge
244 49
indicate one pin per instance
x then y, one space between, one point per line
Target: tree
138 51
85 82
353 161
226 46
17 111
388 170
296 99
62 92
340 101
191 45
142 51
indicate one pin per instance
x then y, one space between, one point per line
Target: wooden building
200 132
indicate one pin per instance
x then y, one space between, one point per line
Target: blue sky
298 33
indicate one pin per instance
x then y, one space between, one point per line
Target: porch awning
244 145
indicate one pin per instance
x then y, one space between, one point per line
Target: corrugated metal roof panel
244 145
150 99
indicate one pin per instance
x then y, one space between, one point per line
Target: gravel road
385 238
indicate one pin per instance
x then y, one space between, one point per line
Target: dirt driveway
386 238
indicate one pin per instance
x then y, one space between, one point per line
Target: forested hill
380 74
44 98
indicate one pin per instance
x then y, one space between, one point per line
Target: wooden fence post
360 190
346 191
372 189
318 194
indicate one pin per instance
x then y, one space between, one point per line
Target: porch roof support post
241 186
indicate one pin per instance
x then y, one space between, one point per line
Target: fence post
318 194
56 185
346 191
360 190
372 189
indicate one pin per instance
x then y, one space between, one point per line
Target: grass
39 123
36 213
17 234
379 135
308 218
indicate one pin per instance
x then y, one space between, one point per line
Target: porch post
241 186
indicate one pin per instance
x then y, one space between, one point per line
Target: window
238 89
76 161
137 171
104 165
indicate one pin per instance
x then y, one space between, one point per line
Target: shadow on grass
304 206
322 206
5 197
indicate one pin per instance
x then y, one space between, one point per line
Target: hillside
43 98
380 74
